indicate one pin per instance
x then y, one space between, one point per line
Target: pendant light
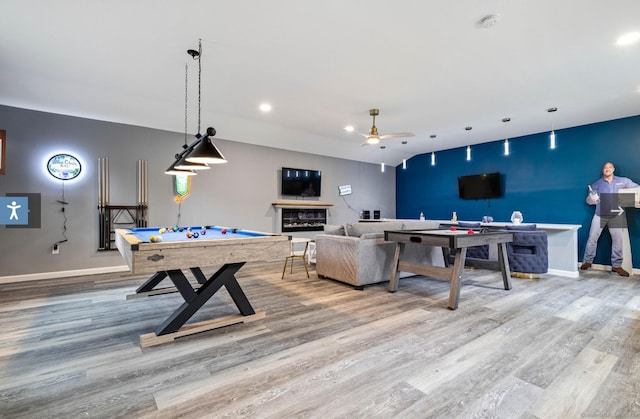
552 136
433 154
180 166
203 151
506 140
404 161
181 163
468 129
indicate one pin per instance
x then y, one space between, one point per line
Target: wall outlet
55 249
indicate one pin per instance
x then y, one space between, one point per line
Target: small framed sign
3 150
64 167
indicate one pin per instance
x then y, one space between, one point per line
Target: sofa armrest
354 260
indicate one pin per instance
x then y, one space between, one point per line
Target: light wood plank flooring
550 348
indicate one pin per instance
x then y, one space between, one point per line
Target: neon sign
64 167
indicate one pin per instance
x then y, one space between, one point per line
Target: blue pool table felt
212 233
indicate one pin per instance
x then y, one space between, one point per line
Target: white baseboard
61 274
568 274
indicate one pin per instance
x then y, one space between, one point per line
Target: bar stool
301 254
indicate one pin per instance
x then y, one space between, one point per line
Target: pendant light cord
199 80
186 84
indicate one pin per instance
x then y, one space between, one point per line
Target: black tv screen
301 182
486 185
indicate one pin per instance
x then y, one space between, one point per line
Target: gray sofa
357 253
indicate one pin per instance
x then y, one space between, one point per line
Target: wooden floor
549 348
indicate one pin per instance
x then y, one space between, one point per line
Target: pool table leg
152 282
194 301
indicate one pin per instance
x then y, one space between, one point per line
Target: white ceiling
428 65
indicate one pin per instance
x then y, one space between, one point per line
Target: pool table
223 247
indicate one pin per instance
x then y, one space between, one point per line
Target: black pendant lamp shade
173 171
205 151
182 163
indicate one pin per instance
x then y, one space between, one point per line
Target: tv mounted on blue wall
486 185
301 182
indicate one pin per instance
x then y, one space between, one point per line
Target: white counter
562 246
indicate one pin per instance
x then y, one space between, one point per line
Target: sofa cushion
521 227
333 229
358 229
372 236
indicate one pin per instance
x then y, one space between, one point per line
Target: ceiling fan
374 138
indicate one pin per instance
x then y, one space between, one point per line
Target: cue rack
111 217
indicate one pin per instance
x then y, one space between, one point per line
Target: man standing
603 193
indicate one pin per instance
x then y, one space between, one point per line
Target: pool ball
223 231
234 230
203 231
155 239
453 228
470 231
175 228
181 229
189 234
195 235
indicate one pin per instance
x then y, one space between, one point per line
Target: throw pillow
333 229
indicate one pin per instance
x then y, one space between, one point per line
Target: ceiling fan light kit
374 137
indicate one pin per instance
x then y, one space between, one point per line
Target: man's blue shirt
609 193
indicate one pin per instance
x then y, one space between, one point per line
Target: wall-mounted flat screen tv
486 185
301 182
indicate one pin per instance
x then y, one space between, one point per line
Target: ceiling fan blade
397 135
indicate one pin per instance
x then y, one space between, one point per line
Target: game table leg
503 261
456 277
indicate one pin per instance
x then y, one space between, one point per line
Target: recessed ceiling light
349 128
265 107
628 38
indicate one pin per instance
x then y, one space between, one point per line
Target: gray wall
239 193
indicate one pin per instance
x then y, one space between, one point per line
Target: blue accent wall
547 186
